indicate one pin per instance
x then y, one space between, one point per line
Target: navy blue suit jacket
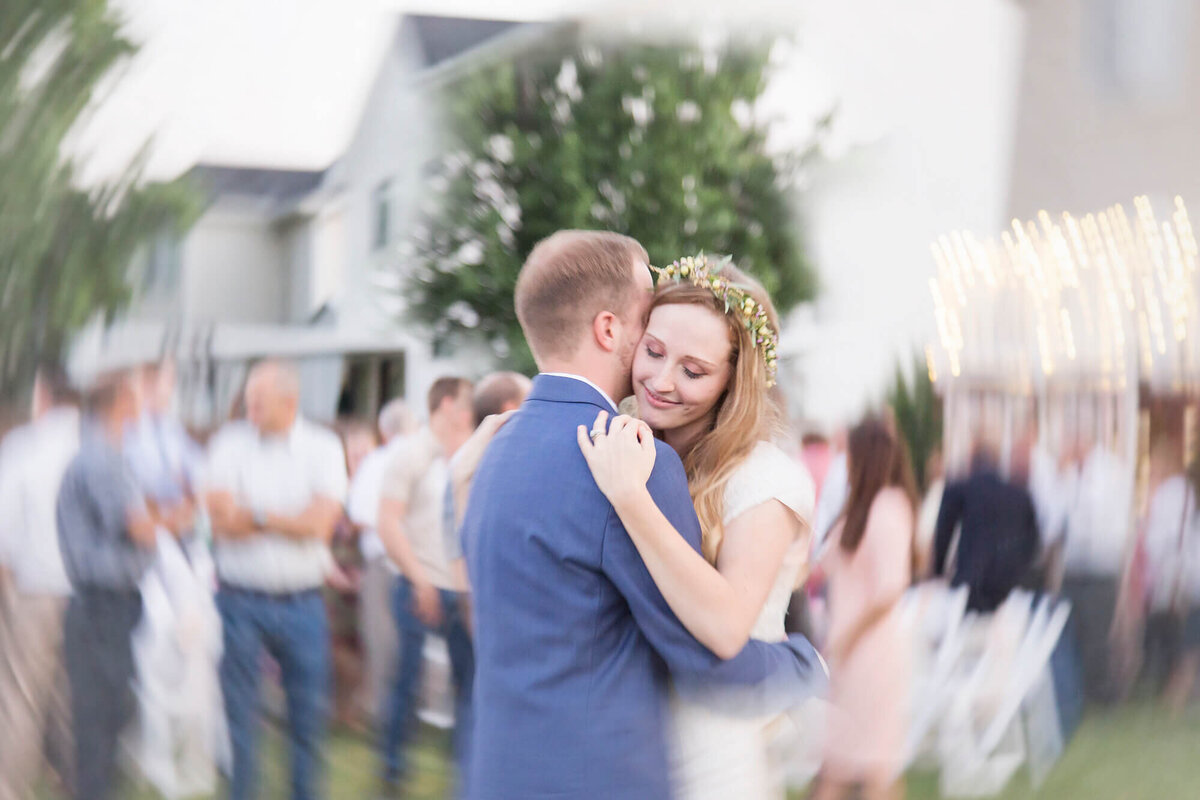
574 643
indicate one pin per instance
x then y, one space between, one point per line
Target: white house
288 262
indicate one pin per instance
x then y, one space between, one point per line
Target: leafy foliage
918 413
657 142
64 252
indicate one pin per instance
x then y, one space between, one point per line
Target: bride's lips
657 400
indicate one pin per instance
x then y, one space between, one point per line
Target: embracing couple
631 576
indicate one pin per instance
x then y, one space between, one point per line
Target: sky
278 82
925 96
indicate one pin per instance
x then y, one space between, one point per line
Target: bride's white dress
718 757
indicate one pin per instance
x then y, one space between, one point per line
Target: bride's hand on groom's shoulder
621 458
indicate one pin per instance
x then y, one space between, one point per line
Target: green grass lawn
1134 753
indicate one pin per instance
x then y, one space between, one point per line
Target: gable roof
445 38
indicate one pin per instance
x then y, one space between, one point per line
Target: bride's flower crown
701 272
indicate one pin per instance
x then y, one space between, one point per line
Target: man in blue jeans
425 599
275 489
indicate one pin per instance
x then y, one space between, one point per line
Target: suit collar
563 388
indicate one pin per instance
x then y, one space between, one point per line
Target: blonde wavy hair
746 413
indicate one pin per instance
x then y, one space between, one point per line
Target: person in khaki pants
34 590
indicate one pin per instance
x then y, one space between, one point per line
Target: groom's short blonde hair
569 278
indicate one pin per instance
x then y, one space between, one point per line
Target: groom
574 642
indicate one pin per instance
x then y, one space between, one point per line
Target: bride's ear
605 330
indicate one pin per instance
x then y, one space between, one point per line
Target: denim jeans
294 629
401 710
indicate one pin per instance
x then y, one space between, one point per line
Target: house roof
445 38
277 185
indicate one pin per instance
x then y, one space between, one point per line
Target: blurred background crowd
248 249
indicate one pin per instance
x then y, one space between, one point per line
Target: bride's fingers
645 436
601 419
585 443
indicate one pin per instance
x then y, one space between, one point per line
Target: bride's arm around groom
763 677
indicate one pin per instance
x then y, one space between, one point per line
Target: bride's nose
662 383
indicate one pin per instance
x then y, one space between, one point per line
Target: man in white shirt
275 487
377 626
1097 537
425 600
33 692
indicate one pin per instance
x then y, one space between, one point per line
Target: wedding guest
869 567
831 500
342 588
424 599
999 538
816 454
931 504
164 458
107 534
1097 531
1171 539
495 395
33 692
377 626
275 485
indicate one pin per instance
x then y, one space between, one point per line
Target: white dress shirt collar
603 393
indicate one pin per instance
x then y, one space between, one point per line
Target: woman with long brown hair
869 566
701 377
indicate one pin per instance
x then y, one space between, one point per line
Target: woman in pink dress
869 566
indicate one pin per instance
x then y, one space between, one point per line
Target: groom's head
582 298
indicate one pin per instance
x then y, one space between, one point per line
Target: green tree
918 412
64 252
657 142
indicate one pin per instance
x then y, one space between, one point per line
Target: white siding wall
234 270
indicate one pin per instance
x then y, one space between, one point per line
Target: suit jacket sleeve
762 677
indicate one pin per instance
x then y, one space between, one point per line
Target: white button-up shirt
1051 490
33 459
275 475
1099 522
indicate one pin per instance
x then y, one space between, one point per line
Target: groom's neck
607 377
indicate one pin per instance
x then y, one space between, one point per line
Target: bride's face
682 367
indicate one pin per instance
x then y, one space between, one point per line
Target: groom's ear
605 329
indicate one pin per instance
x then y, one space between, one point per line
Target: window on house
163 264
382 215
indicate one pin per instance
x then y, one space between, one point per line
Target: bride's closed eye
650 351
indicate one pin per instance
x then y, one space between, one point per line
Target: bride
701 378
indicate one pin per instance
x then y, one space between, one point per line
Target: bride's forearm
700 596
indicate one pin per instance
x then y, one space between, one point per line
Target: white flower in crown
699 271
